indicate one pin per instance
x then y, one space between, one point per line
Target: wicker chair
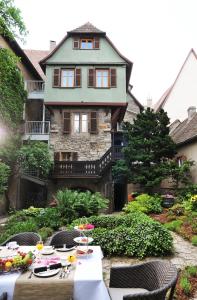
3 296
147 281
64 237
24 239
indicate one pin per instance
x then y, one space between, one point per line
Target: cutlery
30 275
61 273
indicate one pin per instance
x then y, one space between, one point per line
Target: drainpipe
43 118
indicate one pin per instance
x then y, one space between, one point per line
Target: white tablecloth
88 280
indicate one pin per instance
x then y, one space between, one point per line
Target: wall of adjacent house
184 92
132 109
26 74
87 146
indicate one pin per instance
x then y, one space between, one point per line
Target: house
86 93
183 92
184 134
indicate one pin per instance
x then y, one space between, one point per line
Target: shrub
191 271
4 174
193 202
174 225
194 240
186 193
133 234
45 232
177 209
49 217
144 203
185 285
73 204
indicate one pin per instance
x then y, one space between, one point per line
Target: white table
88 278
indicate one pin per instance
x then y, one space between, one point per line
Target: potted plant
168 200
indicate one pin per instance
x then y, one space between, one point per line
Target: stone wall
88 146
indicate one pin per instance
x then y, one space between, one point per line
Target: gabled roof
186 131
164 98
86 28
24 58
35 56
69 33
134 98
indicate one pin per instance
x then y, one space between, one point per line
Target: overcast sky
156 35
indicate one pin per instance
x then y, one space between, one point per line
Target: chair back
64 237
24 239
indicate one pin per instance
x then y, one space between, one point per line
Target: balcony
36 130
35 89
87 169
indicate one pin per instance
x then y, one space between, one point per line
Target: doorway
120 194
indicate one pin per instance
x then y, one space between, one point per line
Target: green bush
49 217
4 174
191 271
194 240
45 232
74 204
133 234
177 209
144 203
185 285
174 225
186 193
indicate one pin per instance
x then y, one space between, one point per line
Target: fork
61 273
30 275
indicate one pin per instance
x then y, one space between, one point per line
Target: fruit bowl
19 262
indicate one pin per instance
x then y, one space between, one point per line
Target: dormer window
86 44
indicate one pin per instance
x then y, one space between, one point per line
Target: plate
65 249
83 240
48 273
81 253
77 228
47 252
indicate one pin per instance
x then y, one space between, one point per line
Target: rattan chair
64 237
147 281
3 296
24 239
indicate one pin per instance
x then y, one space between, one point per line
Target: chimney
52 45
191 112
149 103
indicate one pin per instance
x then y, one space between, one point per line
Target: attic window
86 44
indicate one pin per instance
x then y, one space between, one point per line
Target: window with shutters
80 122
86 43
102 78
65 156
67 78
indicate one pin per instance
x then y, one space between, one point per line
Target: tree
4 174
149 149
11 22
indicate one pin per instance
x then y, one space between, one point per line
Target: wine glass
39 247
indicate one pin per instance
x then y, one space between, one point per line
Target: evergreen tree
149 148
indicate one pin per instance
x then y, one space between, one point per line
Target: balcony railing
37 127
34 86
95 168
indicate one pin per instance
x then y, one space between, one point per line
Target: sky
156 35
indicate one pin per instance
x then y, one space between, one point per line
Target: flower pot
167 201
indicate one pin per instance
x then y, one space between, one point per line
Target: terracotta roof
86 28
162 101
186 131
35 56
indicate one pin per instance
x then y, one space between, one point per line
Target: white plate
85 254
77 228
48 273
47 252
65 249
83 240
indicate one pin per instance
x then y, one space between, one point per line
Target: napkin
51 267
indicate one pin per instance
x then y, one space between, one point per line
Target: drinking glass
39 247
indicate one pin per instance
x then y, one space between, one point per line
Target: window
102 78
80 122
65 156
86 44
67 78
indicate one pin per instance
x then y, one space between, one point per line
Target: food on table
83 252
86 226
71 258
19 261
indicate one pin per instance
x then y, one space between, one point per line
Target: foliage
191 271
45 232
11 22
180 174
4 174
186 192
174 225
49 217
144 203
177 209
194 240
11 87
8 151
185 285
35 156
134 234
73 204
193 201
149 147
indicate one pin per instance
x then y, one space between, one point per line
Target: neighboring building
184 134
86 93
183 92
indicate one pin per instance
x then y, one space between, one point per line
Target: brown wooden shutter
77 77
91 77
93 122
75 156
113 77
96 43
57 156
66 122
56 77
76 43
